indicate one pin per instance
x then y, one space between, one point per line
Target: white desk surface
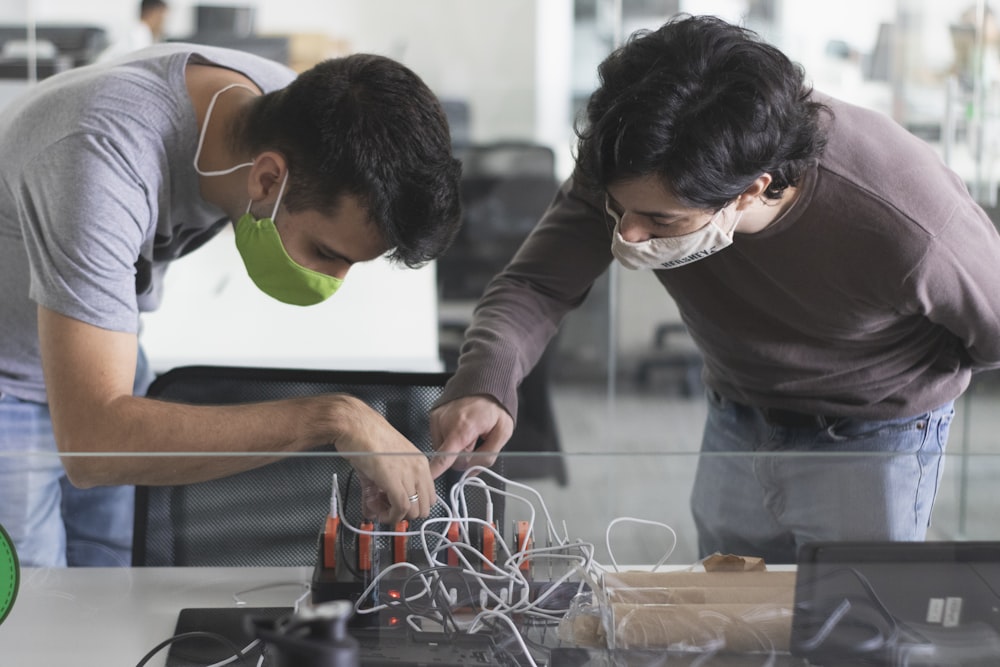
112 617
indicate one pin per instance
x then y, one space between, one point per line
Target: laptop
897 603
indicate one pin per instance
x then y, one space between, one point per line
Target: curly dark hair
706 106
367 126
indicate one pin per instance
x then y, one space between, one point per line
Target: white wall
510 59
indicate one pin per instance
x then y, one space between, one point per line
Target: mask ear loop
615 218
281 191
277 202
204 129
732 229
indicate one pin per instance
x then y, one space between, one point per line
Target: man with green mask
112 171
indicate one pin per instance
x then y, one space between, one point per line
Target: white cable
234 658
499 586
334 497
239 602
364 594
648 522
478 471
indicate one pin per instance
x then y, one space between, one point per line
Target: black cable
237 651
986 582
437 600
503 649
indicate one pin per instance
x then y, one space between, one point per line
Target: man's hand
391 469
457 426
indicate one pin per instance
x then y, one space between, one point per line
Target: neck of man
761 213
227 191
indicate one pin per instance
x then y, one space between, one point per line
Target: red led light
394 594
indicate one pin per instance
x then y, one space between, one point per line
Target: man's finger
446 454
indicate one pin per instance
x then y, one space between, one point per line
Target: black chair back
272 515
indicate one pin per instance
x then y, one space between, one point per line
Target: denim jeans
763 489
51 522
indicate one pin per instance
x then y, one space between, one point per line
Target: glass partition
621 404
928 65
604 565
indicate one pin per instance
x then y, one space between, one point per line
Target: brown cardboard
688 578
783 595
709 627
306 49
733 563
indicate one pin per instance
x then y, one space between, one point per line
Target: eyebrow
659 214
334 254
649 214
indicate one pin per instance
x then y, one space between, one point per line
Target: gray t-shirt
98 194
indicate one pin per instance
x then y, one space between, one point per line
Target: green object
273 271
10 574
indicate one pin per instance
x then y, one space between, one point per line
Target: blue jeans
764 488
51 522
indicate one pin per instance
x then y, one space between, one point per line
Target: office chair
272 515
673 352
459 115
506 186
80 44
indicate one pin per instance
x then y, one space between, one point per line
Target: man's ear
756 190
266 177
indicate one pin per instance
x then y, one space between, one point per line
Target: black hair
706 106
367 126
149 5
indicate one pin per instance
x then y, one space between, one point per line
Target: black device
314 643
237 21
898 603
313 636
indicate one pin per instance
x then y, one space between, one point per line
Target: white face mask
669 252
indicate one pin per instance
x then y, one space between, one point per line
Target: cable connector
523 543
400 542
366 543
331 528
330 542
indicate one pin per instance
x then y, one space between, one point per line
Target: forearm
524 305
508 334
97 446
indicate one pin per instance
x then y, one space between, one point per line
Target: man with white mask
839 281
112 171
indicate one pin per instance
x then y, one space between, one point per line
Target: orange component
399 542
365 546
453 538
489 544
524 542
330 542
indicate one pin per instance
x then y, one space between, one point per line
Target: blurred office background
621 377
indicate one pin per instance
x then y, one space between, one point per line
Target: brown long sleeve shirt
875 295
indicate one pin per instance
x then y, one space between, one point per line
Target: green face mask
273 271
269 266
